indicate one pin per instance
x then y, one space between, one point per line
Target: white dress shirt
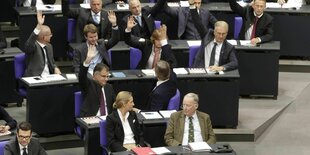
208 50
197 130
128 134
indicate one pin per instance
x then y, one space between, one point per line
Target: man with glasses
189 125
24 143
98 95
39 52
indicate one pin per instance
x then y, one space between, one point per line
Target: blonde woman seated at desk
123 129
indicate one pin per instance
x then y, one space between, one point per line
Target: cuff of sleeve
192 6
164 42
36 31
85 64
115 27
259 39
127 31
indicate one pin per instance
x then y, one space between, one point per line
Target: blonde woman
123 129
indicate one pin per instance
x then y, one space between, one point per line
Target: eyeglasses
186 106
104 76
24 137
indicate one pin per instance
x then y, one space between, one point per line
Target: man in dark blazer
186 29
146 15
95 88
148 47
102 46
24 142
39 51
95 15
224 56
255 21
177 132
34 2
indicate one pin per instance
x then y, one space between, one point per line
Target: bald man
215 52
39 52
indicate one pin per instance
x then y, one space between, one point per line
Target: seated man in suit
3 43
97 93
10 122
95 15
25 3
24 143
143 16
186 28
215 52
196 125
152 50
39 51
257 25
101 46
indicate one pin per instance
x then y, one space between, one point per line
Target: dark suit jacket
115 131
148 14
44 2
34 147
83 17
7 118
146 48
186 27
3 43
160 96
90 92
80 53
264 27
175 129
35 58
227 56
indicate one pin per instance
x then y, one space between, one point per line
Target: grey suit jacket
80 53
186 27
34 147
35 58
175 130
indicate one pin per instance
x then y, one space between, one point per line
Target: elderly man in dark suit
144 17
102 46
186 28
97 93
189 125
257 25
152 50
95 16
24 143
39 51
215 52
34 2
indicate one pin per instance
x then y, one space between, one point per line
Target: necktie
254 28
191 130
96 20
101 100
46 60
138 18
33 3
212 58
156 56
24 151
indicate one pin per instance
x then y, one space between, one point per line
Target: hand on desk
216 68
255 41
4 128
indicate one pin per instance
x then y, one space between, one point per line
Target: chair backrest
71 29
2 144
238 25
19 65
78 101
103 137
192 53
110 57
135 57
157 24
174 103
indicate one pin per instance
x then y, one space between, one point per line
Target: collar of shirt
194 116
256 15
218 44
97 14
159 82
41 45
21 148
140 15
121 115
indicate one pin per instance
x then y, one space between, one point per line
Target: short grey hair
193 96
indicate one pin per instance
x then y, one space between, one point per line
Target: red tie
156 56
254 28
101 100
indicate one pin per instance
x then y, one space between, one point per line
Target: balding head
45 34
135 7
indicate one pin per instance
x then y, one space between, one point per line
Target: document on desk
160 150
196 71
34 79
199 146
180 71
53 77
118 74
173 4
151 115
71 76
122 6
49 7
91 120
246 43
5 133
233 42
285 5
166 113
85 5
194 42
148 72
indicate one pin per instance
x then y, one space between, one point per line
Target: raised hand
40 18
163 32
131 23
90 54
112 17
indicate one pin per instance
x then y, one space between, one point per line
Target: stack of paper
246 43
166 113
148 72
199 146
180 71
34 79
151 115
118 74
71 76
143 151
196 70
232 42
122 6
53 77
49 7
85 5
194 42
173 4
91 120
160 150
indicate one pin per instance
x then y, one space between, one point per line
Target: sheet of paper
71 76
91 120
34 79
160 150
286 5
233 42
53 77
180 71
49 7
85 5
199 146
246 43
122 6
166 113
151 115
196 70
148 72
194 42
173 4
